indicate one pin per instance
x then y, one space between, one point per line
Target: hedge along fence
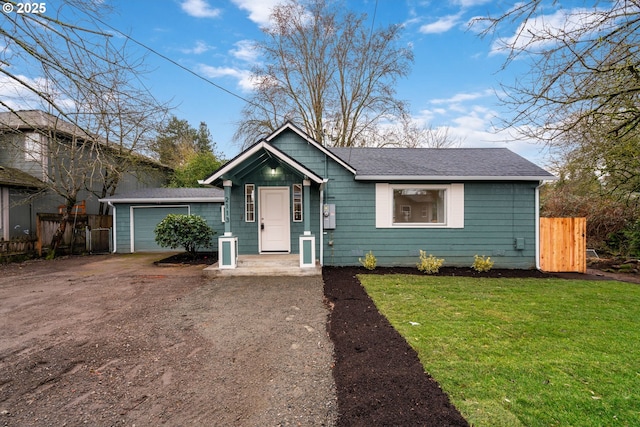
75 238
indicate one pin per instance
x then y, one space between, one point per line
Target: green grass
523 352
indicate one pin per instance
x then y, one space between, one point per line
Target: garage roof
168 195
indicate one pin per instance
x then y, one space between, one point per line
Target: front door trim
274 213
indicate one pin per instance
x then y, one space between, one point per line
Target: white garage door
145 220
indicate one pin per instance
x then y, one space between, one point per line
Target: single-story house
290 194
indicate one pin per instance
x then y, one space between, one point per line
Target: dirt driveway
115 340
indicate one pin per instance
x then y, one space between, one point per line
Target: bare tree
585 67
327 70
79 74
405 131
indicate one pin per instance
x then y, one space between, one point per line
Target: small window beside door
249 203
297 202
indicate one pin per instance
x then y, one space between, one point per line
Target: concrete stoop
265 265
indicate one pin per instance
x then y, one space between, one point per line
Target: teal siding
495 215
122 220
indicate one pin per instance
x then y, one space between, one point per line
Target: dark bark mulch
379 378
184 258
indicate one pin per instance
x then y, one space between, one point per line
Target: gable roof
256 156
168 195
373 164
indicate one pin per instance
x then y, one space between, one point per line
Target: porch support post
307 242
227 244
227 207
306 206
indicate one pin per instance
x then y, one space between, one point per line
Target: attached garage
135 215
145 219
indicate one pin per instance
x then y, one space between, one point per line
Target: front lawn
523 352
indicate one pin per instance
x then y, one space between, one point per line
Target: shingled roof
11 177
440 163
169 195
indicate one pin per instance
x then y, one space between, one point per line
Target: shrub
429 264
480 263
190 232
369 261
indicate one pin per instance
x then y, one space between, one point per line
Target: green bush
480 263
190 232
369 261
429 264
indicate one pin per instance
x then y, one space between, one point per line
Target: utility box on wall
329 216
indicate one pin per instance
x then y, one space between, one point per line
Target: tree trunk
58 236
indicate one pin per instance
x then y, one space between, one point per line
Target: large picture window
419 205
249 203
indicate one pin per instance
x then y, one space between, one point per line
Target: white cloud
18 97
199 48
243 77
545 30
259 11
199 9
442 25
462 97
245 51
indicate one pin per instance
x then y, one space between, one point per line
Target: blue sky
452 83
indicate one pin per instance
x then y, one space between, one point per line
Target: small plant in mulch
429 264
369 262
482 264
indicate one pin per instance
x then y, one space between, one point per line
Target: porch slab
265 265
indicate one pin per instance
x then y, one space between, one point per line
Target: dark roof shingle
434 163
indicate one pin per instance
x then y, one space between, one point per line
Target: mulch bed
379 378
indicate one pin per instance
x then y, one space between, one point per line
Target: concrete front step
265 265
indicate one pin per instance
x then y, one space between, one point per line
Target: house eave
262 145
386 178
163 200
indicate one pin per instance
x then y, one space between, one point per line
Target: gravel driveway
115 340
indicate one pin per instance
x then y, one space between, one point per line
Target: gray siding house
290 194
35 146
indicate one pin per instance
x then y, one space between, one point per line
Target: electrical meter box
329 216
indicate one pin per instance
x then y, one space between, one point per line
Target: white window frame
249 203
297 200
453 199
33 147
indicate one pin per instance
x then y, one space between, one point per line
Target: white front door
274 219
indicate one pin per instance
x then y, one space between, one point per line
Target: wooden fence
563 244
78 236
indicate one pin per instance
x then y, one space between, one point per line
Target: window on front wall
297 202
419 205
249 203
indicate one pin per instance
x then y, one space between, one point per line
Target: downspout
321 225
113 215
537 228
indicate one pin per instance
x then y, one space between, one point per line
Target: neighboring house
289 194
32 145
16 187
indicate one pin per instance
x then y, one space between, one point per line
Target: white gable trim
262 145
311 141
